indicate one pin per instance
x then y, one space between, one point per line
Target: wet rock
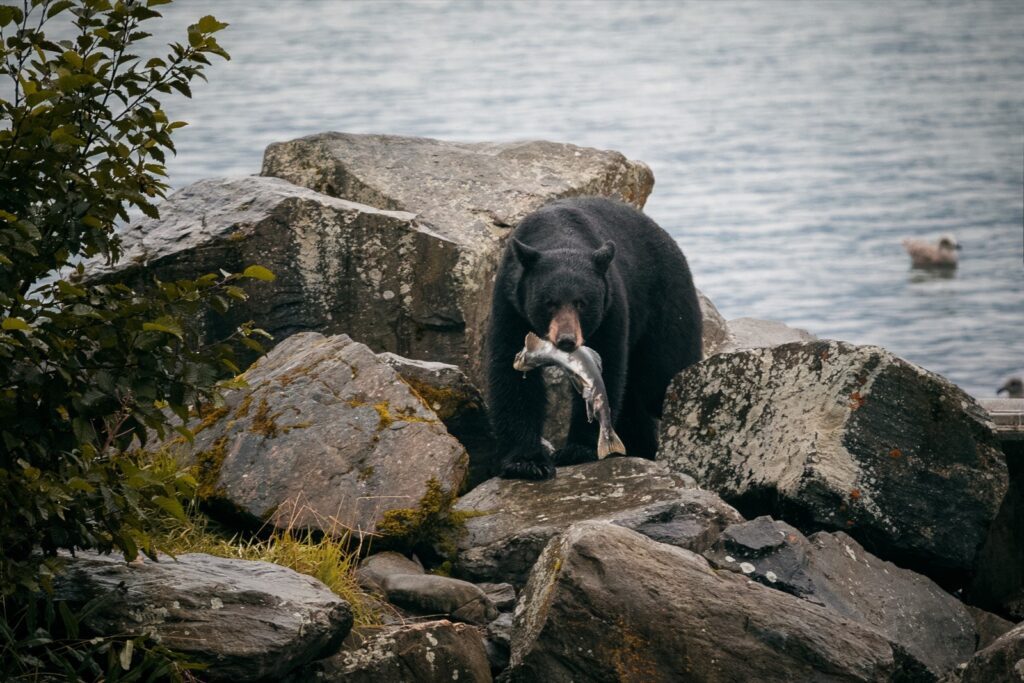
833 570
429 652
326 436
519 517
1003 660
503 595
373 570
247 621
609 604
828 435
458 404
466 196
440 596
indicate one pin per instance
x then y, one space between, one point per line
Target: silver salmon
584 368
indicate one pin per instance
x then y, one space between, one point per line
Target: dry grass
325 557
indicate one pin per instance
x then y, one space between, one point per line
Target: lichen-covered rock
247 621
605 603
1001 661
714 328
466 197
428 652
516 518
458 404
836 436
326 436
341 267
440 595
833 570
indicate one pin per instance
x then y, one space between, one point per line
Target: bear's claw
574 454
528 469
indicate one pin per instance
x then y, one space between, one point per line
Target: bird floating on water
924 254
1014 388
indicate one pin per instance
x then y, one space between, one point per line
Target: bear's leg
517 407
580 446
636 426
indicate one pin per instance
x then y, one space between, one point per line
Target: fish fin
532 342
609 442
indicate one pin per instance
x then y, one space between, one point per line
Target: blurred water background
794 143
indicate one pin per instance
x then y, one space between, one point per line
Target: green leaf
16 324
209 24
259 273
169 327
170 506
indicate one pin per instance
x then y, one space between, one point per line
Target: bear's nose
567 343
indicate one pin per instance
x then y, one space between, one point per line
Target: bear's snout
565 331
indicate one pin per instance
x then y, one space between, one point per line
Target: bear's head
563 293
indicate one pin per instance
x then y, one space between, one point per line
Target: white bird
1014 388
925 254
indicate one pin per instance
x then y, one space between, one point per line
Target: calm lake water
794 143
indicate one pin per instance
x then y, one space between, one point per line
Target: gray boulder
836 436
428 652
457 403
374 569
715 329
834 571
516 518
466 197
247 621
751 333
1002 661
440 596
341 267
326 436
605 603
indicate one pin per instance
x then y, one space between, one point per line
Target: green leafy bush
89 369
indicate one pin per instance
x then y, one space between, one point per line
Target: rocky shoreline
817 510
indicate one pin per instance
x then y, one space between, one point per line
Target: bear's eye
579 303
551 305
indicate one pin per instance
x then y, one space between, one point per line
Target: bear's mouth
564 331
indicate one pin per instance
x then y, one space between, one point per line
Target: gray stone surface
341 267
459 405
503 595
374 569
499 641
428 652
248 621
989 626
833 570
751 333
714 328
466 197
605 603
1000 662
326 436
519 516
836 436
440 596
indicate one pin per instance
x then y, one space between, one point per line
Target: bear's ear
526 255
603 256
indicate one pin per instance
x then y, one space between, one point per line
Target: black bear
598 272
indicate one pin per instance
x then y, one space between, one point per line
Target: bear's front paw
532 466
574 454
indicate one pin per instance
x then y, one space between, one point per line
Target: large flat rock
466 197
828 435
833 570
326 436
605 603
516 518
247 621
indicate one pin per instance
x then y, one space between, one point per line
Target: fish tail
609 442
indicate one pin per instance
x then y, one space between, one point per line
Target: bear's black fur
611 268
